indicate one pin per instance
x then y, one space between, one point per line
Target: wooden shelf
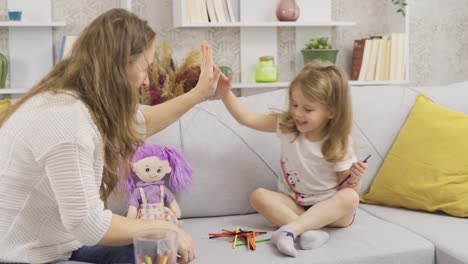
32 24
269 24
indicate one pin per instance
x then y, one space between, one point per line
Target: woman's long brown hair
96 72
327 84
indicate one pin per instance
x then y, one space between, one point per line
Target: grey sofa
230 161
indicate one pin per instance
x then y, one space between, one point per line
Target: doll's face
151 169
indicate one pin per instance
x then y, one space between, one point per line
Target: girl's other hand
357 170
224 85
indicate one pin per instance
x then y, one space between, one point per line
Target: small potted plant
401 5
319 48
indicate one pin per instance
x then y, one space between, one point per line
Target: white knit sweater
51 165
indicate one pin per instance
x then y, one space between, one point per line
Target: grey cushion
368 240
447 233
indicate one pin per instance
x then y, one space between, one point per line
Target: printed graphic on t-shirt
290 180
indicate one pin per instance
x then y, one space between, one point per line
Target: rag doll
150 198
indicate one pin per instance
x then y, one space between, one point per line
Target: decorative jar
287 10
266 70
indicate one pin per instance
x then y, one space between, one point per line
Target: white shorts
305 199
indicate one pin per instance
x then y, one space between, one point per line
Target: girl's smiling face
310 116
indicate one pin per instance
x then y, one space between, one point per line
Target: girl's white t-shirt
306 176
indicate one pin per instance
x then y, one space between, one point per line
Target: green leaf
319 43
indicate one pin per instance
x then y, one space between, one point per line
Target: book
226 11
203 10
356 61
382 61
400 68
365 60
370 74
385 72
187 16
67 45
194 7
219 8
394 56
211 10
230 11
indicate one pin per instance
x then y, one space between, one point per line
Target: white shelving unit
258 34
258 31
30 44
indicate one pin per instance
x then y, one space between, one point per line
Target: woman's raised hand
209 73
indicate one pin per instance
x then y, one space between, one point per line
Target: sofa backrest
378 114
230 161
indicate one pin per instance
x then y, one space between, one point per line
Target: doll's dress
155 211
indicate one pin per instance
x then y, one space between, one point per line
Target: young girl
316 154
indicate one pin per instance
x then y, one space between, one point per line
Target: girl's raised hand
224 85
209 74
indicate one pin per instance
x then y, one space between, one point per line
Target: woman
67 140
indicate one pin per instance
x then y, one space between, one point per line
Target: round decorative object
287 10
226 70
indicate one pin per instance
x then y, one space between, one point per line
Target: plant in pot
401 5
319 48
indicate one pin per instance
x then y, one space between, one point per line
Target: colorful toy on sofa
150 198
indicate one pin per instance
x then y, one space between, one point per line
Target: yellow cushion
427 166
4 104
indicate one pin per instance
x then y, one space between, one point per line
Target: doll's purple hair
180 176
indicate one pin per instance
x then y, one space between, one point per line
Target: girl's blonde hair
96 72
325 83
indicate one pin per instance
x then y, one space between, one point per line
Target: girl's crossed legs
282 210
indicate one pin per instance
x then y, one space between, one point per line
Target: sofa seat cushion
447 233
368 240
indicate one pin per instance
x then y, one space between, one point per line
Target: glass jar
266 70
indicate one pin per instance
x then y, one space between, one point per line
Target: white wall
438 41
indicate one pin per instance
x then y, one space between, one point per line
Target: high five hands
211 78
